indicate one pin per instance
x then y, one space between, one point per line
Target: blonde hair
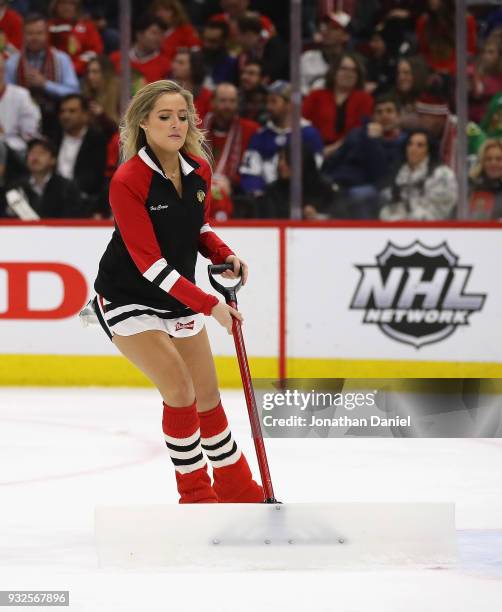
180 15
477 169
132 136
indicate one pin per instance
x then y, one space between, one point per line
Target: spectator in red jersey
11 29
333 38
253 93
227 133
486 76
271 51
147 62
73 34
435 31
342 105
188 70
101 87
112 156
233 10
179 32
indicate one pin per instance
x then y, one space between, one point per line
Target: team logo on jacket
188 325
416 294
201 196
159 207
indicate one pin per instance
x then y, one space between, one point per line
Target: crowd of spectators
378 83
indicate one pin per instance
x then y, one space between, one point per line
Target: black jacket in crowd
59 200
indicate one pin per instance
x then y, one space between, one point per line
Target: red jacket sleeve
139 238
211 245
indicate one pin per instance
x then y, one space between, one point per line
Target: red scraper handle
229 293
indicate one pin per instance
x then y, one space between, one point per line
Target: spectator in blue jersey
260 163
220 66
318 198
368 156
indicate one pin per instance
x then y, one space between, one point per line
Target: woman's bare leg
154 354
196 354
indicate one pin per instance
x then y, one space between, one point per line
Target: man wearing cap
434 116
260 163
333 39
43 194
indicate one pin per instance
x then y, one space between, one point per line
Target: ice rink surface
63 451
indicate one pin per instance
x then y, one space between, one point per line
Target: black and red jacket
151 257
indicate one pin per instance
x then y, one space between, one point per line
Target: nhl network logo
416 294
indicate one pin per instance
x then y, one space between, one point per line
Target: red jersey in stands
80 40
443 64
202 102
11 31
184 36
319 107
153 67
151 257
112 154
228 146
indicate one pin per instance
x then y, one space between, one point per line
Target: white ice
63 451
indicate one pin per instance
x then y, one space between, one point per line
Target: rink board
273 536
302 306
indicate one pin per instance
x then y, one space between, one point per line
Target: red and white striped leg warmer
182 437
233 481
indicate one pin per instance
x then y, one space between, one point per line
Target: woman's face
94 75
404 81
495 122
490 55
167 123
67 9
346 75
377 45
434 5
180 68
416 150
166 15
492 163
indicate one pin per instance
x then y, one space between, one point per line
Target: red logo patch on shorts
188 325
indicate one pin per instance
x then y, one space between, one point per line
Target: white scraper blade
276 536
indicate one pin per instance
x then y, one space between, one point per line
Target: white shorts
130 319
